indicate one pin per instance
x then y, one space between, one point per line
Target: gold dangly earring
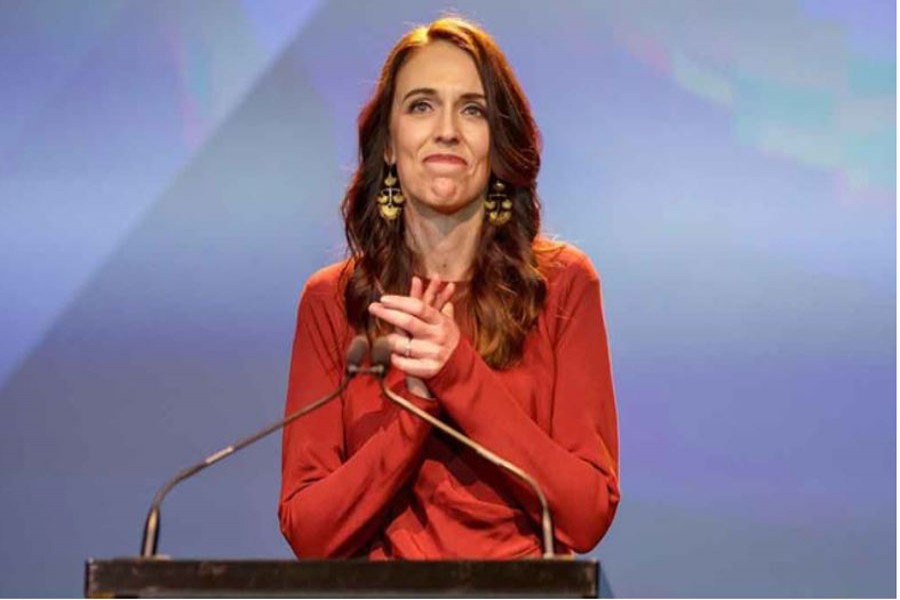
390 200
498 205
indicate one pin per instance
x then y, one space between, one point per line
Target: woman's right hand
438 296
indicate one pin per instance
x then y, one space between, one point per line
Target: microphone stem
546 520
150 541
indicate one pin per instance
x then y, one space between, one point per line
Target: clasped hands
425 333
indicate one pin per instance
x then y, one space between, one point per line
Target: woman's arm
576 463
332 504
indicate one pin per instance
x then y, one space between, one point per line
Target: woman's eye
474 110
419 106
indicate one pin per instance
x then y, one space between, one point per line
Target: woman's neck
444 244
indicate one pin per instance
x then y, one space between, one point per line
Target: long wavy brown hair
507 290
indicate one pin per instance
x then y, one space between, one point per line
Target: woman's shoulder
327 283
562 263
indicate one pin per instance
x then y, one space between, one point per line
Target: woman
493 329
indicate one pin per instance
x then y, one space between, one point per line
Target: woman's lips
449 159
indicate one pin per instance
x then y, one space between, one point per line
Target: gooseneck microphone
381 362
356 351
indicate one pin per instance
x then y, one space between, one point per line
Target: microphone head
357 351
381 355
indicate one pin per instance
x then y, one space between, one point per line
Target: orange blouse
362 477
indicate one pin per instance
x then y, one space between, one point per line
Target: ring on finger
408 347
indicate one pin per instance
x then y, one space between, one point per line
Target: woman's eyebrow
423 91
433 92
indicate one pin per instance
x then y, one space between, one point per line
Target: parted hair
507 290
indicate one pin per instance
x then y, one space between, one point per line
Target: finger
444 296
413 306
402 344
400 318
414 367
447 310
415 288
431 291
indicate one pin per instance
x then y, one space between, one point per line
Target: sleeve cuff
428 405
459 367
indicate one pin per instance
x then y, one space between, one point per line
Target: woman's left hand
433 334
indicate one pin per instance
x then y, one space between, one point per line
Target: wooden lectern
160 578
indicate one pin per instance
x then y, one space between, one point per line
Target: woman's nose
447 130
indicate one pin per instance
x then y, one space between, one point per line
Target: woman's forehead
441 67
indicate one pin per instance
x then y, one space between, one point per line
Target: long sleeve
576 462
331 504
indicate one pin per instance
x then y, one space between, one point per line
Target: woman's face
439 135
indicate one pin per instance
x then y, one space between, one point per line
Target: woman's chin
444 189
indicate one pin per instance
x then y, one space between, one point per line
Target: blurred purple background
170 174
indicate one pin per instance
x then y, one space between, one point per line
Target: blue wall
170 174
